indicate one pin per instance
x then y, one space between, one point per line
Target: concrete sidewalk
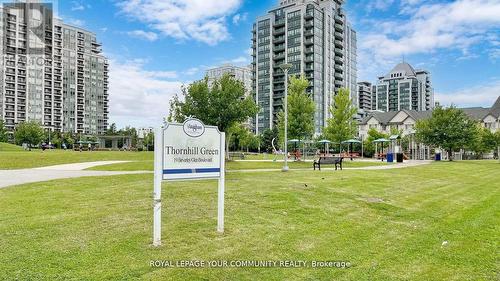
77 170
407 164
18 177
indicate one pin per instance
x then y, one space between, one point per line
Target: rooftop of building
228 65
476 113
403 68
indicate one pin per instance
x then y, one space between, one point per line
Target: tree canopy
3 132
341 126
266 139
448 128
222 103
29 132
300 111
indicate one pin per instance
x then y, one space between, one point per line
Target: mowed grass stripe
100 228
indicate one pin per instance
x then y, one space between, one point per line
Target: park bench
337 161
236 155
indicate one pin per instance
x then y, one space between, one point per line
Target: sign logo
194 128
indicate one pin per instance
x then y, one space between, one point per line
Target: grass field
390 225
142 161
9 147
37 158
233 165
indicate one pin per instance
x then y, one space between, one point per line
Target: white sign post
188 151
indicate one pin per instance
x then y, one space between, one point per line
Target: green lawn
9 147
39 158
143 161
390 225
232 165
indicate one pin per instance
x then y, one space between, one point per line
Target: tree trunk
228 138
450 154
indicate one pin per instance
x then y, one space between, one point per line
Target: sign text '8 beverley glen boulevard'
188 151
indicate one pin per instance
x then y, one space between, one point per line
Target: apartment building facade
240 73
365 96
404 88
405 120
54 74
313 36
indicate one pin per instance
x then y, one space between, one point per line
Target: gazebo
126 142
325 143
350 143
381 141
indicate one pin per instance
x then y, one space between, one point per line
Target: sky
157 46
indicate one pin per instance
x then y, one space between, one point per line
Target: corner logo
194 128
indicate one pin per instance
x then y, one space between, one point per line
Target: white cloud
239 18
479 96
242 60
147 35
454 26
494 54
192 71
379 5
201 20
75 22
139 97
79 6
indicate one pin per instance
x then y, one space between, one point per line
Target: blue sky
156 46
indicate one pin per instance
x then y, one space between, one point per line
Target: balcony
279 56
309 42
309 50
279 88
279 22
338 44
338 35
339 27
309 15
309 33
279 48
279 31
279 80
309 59
279 39
339 19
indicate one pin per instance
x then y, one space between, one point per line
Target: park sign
187 151
191 151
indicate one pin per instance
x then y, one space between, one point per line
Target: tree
3 132
487 141
300 111
482 142
29 132
266 140
448 128
369 146
112 130
341 126
222 104
149 141
131 132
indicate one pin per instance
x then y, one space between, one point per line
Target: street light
285 67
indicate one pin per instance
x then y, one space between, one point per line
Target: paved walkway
18 177
406 164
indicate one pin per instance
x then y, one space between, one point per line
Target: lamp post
285 67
